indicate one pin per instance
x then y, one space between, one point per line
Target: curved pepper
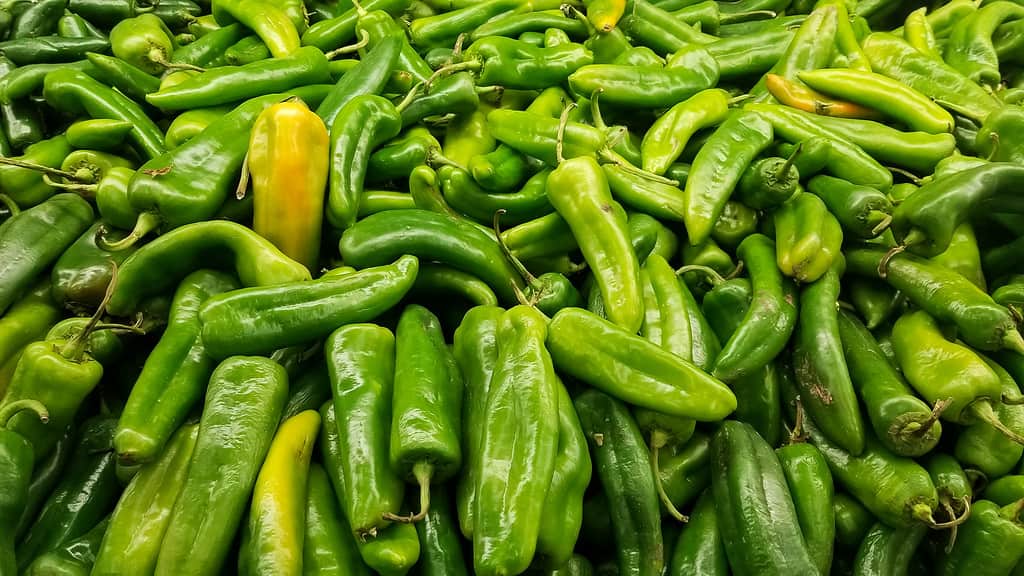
808 237
132 81
81 275
992 537
794 94
699 549
810 485
463 194
665 140
863 211
811 48
144 42
920 151
28 186
269 21
328 547
888 550
514 64
46 49
16 458
243 405
686 73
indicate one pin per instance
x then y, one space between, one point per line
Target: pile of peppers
497 287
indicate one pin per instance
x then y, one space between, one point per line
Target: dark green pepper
808 237
990 541
17 458
328 547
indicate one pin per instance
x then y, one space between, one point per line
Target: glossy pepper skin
686 73
138 523
272 538
861 210
31 240
87 491
768 323
769 182
902 422
634 369
944 294
382 237
919 151
191 123
516 65
27 320
174 375
620 458
26 187
144 42
132 81
810 484
983 447
821 371
426 413
157 266
992 538
243 405
808 237
440 544
328 547
740 461
810 49
46 49
735 144
699 549
510 500
888 550
17 459
288 163
579 192
76 556
475 346
21 122
951 483
269 21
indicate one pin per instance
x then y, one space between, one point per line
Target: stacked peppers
630 287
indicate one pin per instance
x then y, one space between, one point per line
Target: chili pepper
902 422
375 239
686 73
650 25
666 138
699 549
243 404
810 485
442 29
795 94
162 262
944 294
513 64
767 326
333 32
272 538
246 51
991 538
27 320
541 237
144 42
39 19
550 292
45 49
736 222
24 183
328 546
394 551
45 475
962 255
190 123
852 522
476 351
810 49
209 49
229 84
918 32
501 545
974 395
997 139
863 211
769 182
982 446
502 169
513 24
579 192
17 457
888 550
643 233
77 556
175 372
85 494
620 458
1005 490
81 275
91 166
269 21
1010 294
426 192
847 160
98 134
536 135
288 152
969 48
453 94
951 484
138 523
362 391
398 158
440 549
596 354
71 25
742 460
893 57
103 343
21 122
808 236
378 25
464 195
133 82
35 237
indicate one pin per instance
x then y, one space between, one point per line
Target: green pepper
633 369
328 547
336 31
442 29
550 292
174 375
902 422
17 458
992 539
475 348
513 24
27 320
141 518
1011 294
435 281
513 64
464 195
820 368
982 446
98 134
228 84
161 263
143 41
510 500
75 92
811 48
808 237
1005 490
944 294
85 494
20 121
769 182
736 222
699 549
453 94
962 255
39 19
919 151
27 185
430 236
209 49
440 548
393 552
810 484
132 81
888 550
863 211
686 73
770 320
72 25
852 522
75 557
951 484
755 505
272 537
620 458
360 361
91 166
49 49
397 158
45 476
81 275
299 313
243 405
246 51
269 21
970 49
998 138
650 25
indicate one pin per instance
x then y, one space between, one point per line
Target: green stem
563 119
11 205
711 273
146 223
785 168
983 410
12 408
364 41
74 348
38 168
527 276
422 471
662 495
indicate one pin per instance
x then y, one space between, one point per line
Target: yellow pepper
288 162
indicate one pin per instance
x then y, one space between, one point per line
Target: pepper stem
994 138
243 178
796 435
146 223
788 165
359 7
527 276
571 11
74 348
883 264
8 411
56 172
157 56
1013 511
11 205
983 410
364 41
953 523
906 174
85 190
882 224
1012 340
657 442
952 533
711 273
563 120
411 95
747 16
614 157
422 471
937 411
436 158
595 110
